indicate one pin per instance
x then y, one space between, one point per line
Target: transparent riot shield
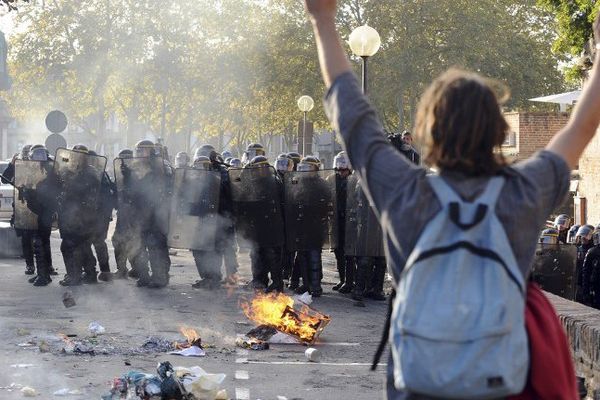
310 210
369 240
256 195
79 176
554 269
142 188
28 175
351 216
194 209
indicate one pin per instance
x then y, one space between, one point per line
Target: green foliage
205 67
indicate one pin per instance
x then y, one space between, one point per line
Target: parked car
7 195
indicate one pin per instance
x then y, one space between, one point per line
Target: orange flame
193 338
277 310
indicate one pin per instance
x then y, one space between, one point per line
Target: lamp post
364 42
305 104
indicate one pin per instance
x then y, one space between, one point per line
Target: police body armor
79 175
369 236
256 195
310 210
194 218
554 269
28 175
351 216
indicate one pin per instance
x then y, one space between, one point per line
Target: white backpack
458 321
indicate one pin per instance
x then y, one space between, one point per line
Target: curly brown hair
460 122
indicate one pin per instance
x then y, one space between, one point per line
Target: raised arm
572 140
332 56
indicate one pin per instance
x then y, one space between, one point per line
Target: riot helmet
585 233
549 236
81 148
227 154
259 161
572 234
309 163
205 150
235 163
228 160
38 153
25 151
126 153
284 163
341 161
596 237
296 158
562 222
145 148
202 162
253 150
182 159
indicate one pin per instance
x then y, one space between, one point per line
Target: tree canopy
205 67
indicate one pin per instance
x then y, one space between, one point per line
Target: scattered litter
96 329
193 351
127 362
44 347
22 365
28 391
305 298
169 383
282 338
262 332
27 344
251 343
67 392
312 354
68 300
282 398
23 332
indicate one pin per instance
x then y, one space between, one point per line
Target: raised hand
321 8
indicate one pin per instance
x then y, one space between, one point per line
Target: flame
192 338
277 310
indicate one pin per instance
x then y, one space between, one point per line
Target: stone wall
582 325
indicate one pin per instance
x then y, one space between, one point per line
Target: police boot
304 272
362 277
276 270
316 273
341 267
350 271
375 292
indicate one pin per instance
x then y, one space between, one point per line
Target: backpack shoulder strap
491 193
443 191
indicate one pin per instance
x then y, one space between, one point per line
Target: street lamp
305 104
364 42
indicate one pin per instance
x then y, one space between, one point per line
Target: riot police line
567 261
285 214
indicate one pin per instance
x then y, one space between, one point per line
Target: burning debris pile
285 315
169 383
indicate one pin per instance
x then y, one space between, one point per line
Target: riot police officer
343 171
572 235
584 243
182 159
283 165
267 260
235 163
296 158
149 197
42 201
591 273
562 223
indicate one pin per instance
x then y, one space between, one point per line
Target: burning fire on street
192 339
285 315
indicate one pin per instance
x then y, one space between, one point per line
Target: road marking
241 360
242 352
337 344
241 375
242 394
312 363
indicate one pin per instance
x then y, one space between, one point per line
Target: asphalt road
130 315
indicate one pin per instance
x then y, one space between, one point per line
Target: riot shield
554 269
194 209
28 175
351 216
310 210
369 240
142 188
79 175
256 194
